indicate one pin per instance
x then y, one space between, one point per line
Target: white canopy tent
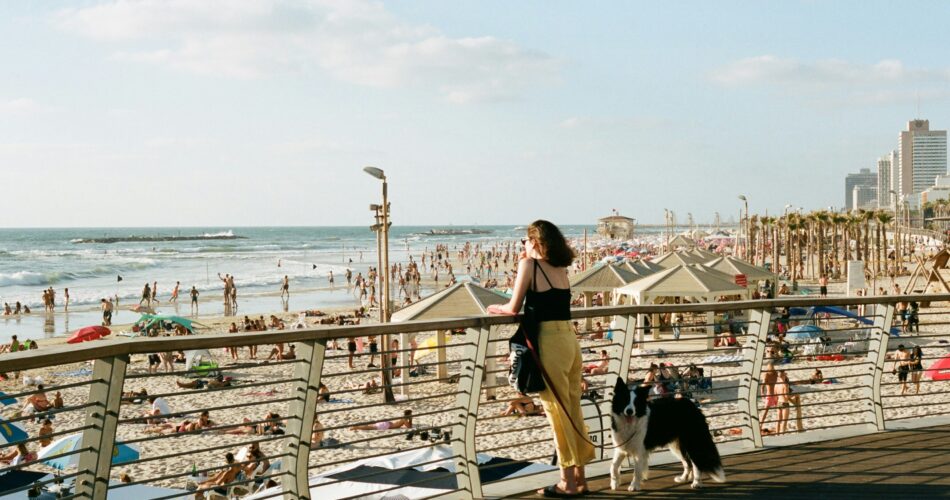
457 301
602 278
687 281
679 258
704 254
643 268
681 241
733 265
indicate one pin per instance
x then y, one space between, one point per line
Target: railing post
307 370
621 367
876 355
405 339
463 432
753 353
102 417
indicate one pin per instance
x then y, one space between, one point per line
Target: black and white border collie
640 426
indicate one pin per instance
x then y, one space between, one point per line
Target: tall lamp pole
382 231
745 223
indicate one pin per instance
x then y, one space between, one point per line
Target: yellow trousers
561 358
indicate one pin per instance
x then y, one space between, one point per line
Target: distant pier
123 239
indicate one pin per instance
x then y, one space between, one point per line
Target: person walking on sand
194 300
155 292
106 312
823 285
543 285
767 391
66 298
174 297
285 287
330 278
146 295
902 364
227 289
916 367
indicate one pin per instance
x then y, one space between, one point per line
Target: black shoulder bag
524 369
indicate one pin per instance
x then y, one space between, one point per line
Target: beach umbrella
6 400
940 369
121 453
803 333
88 333
11 433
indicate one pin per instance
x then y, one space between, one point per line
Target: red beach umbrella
88 333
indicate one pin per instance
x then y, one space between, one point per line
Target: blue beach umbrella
11 433
6 400
803 333
121 453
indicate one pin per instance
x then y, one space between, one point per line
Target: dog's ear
621 397
642 393
620 386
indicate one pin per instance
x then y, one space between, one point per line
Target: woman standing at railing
542 283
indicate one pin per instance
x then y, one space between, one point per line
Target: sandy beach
267 383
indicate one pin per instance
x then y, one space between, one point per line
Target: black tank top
553 304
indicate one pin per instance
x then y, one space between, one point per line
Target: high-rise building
923 156
884 167
865 178
864 197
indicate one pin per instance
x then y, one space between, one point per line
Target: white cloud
355 41
572 122
19 105
769 69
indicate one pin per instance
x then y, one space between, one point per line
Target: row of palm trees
821 242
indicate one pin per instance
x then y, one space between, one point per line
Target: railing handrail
64 354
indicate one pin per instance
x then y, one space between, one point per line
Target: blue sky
231 113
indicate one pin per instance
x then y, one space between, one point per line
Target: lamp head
742 197
375 172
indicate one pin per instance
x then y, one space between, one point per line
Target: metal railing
457 397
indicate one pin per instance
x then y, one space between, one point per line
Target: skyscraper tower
883 181
923 156
864 179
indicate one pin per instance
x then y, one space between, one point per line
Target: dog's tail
697 443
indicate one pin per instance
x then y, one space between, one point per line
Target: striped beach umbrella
121 453
11 433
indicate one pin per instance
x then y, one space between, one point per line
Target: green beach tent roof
147 320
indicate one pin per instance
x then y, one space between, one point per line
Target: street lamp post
382 234
745 223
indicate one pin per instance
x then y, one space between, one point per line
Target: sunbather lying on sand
405 421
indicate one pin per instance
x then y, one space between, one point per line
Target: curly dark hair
551 243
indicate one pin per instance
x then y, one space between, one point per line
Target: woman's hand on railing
500 309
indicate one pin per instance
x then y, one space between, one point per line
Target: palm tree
883 219
839 221
823 218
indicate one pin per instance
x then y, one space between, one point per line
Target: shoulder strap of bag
557 397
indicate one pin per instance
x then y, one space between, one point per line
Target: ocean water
33 259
